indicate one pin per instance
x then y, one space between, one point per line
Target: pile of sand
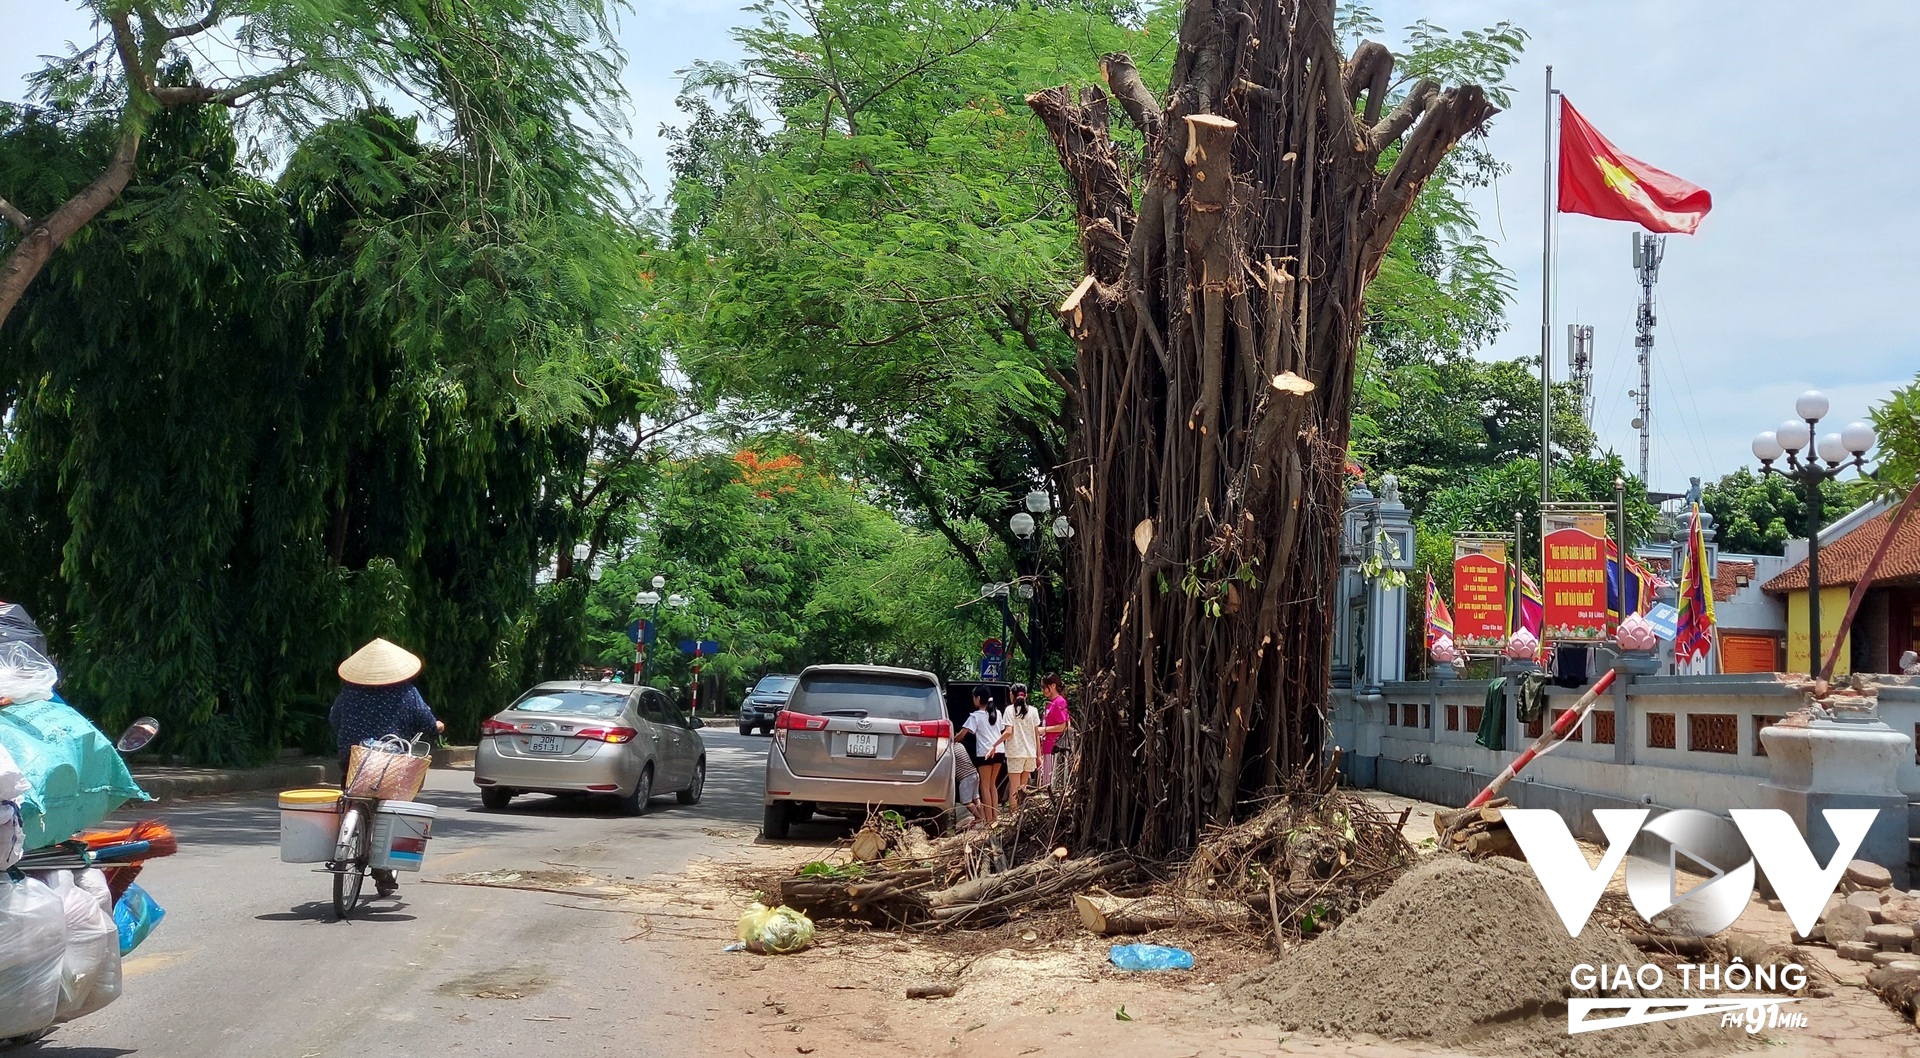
1462 954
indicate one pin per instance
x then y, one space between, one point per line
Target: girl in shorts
983 724
1021 741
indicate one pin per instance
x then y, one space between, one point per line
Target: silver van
855 738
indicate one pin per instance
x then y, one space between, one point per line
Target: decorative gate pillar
1370 595
1845 758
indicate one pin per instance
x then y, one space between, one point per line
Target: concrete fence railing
1661 741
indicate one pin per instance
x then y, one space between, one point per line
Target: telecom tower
1580 366
1647 252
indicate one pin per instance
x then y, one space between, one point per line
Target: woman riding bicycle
377 698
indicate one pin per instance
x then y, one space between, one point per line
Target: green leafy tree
1489 501
873 253
786 561
1757 514
1445 421
869 233
304 62
1897 423
249 423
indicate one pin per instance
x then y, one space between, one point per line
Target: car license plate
544 744
863 745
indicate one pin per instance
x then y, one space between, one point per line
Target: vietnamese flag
1599 181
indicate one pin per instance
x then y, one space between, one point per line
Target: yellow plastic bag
775 930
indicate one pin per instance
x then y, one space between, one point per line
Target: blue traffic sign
701 646
641 631
993 666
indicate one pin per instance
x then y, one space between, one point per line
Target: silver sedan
613 739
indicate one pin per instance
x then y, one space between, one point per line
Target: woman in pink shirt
1053 724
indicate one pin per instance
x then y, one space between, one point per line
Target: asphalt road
249 962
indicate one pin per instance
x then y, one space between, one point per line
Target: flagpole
1513 589
1546 304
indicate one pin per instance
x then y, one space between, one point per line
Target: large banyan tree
1217 330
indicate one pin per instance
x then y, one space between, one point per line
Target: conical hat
378 664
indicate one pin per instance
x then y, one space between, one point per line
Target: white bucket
400 833
309 825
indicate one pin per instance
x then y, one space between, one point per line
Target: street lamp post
1025 527
1839 451
654 599
582 552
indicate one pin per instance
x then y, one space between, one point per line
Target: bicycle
352 850
351 853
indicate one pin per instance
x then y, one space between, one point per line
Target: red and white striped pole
1547 739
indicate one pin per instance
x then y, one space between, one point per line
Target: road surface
250 964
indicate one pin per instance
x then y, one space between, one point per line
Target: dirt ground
1043 986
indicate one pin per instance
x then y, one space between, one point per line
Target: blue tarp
74 775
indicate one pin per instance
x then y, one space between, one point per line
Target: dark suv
764 702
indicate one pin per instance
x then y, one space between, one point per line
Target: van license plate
544 744
863 745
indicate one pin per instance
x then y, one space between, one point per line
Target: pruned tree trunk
1216 328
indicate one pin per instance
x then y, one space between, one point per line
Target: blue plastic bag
136 914
1150 957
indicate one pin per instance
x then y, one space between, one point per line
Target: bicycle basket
388 770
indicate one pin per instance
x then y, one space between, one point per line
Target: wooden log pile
903 878
887 898
1297 866
1479 831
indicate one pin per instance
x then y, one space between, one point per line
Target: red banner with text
1575 568
1479 604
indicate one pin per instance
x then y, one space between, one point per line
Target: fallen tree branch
1116 914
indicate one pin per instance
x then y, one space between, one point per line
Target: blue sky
1798 278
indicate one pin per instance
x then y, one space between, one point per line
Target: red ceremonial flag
1599 181
1439 621
1695 637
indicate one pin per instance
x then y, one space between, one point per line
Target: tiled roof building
1888 623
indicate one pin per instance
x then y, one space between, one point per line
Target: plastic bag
16 626
74 775
25 674
775 930
33 941
386 769
1149 957
135 916
93 881
90 969
12 782
12 838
